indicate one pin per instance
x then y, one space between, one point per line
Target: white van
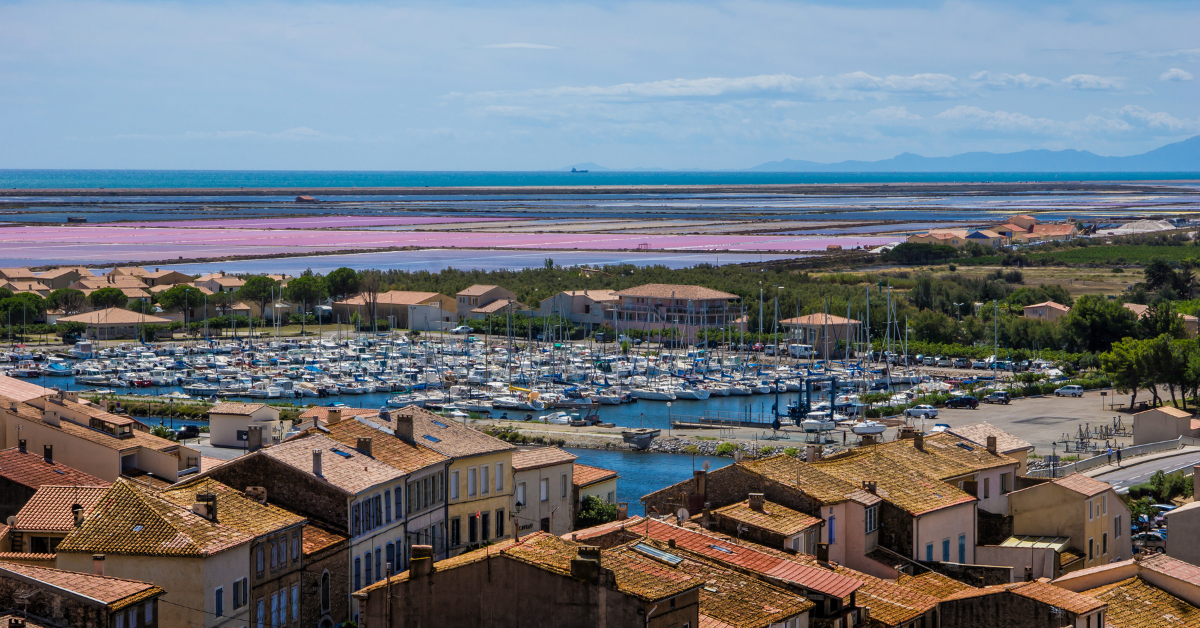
801 351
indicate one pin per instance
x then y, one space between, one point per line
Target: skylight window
654 552
433 439
340 452
137 528
440 424
721 549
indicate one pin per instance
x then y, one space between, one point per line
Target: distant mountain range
1178 157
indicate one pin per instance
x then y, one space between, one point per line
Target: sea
150 179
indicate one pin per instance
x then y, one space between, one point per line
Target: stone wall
1022 481
896 529
992 529
974 575
335 561
54 608
728 485
1005 609
287 487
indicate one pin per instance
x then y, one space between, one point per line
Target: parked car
1069 391
999 396
922 411
944 362
1000 365
1150 542
979 364
187 431
962 363
461 329
965 401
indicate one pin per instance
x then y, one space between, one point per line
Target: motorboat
868 428
815 422
654 394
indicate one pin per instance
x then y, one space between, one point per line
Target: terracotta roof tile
322 412
1135 603
32 470
730 599
819 319
643 577
476 290
133 520
234 509
116 593
316 539
807 478
13 556
932 584
945 456
673 291
1172 567
1083 484
341 465
12 389
978 432
898 483
385 446
773 517
394 297
50 507
114 316
241 409
536 458
587 475
1043 592
449 437
889 602
500 305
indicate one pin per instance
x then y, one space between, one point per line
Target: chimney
756 502
21 446
71 395
98 564
206 506
77 514
823 554
991 444
671 543
919 441
364 446
48 453
103 405
50 417
12 407
385 415
867 440
622 511
586 566
706 518
334 416
254 438
700 482
16 622
257 493
316 462
403 426
422 561
1028 570
810 453
870 486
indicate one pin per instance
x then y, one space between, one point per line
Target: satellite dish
706 465
737 456
682 514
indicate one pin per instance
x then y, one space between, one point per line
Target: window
872 516
149 613
521 493
262 612
1004 483
945 550
455 532
1090 510
325 592
499 477
366 516
564 486
357 574
962 549
377 509
1117 527
295 601
1104 543
387 506
259 560
484 487
454 485
1091 549
612 497
987 487
274 610
356 520
427 484
1104 510
120 621
133 618
472 529
486 519
274 555
378 564
500 523
545 489
399 510
472 474
296 546
367 569
412 499
832 530
929 552
219 602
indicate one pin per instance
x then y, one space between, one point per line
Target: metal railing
1102 459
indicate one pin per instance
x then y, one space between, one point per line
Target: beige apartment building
543 479
1086 510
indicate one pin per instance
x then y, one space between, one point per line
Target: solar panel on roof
721 549
654 552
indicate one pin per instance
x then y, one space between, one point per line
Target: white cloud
1004 121
893 113
1175 74
1157 119
301 133
1093 82
1021 81
520 45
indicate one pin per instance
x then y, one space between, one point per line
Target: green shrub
594 512
726 449
791 451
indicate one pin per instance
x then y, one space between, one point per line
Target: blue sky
504 85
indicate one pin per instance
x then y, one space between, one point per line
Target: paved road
1132 474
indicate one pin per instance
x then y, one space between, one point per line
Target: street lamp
958 308
668 418
517 507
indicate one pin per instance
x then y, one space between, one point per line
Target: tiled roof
1050 304
394 297
500 305
1083 484
1045 230
889 602
945 456
450 437
807 478
59 272
1135 603
587 475
116 593
978 432
136 439
241 409
50 507
134 520
603 529
746 557
348 470
135 271
234 509
672 291
32 470
932 584
595 295
114 316
316 539
14 556
476 290
12 389
733 600
1043 592
899 483
385 447
322 412
773 517
1171 410
642 577
1172 567
526 459
819 319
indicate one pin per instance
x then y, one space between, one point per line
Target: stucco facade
1096 520
480 500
